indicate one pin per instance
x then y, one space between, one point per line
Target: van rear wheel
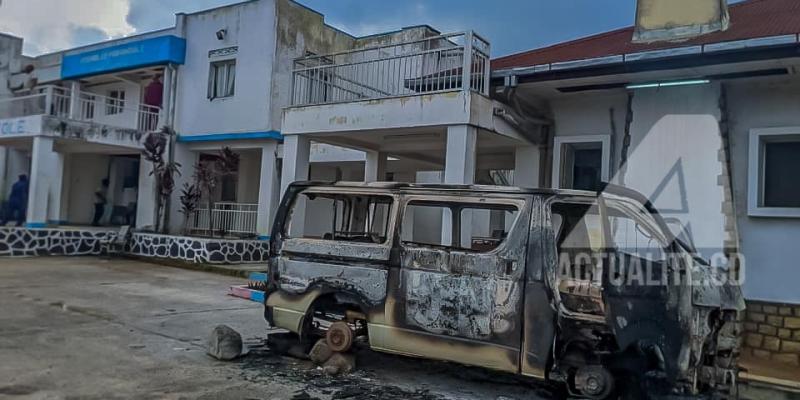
340 337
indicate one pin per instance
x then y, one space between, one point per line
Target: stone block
750 327
752 307
791 359
770 309
320 352
790 346
791 323
758 353
224 343
768 330
796 335
339 364
785 311
754 340
775 320
784 333
772 343
756 317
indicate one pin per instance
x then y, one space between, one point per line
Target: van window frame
443 200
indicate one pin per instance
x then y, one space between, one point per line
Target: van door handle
509 264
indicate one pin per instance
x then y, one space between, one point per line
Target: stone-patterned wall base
20 242
199 250
772 331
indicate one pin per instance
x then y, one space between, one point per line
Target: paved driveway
101 328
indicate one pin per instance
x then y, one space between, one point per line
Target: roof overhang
775 47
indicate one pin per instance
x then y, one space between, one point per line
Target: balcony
445 63
82 106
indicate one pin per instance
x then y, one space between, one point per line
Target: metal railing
458 61
229 218
85 106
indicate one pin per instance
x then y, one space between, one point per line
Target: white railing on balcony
228 218
59 101
458 61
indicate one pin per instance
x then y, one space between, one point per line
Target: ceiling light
668 84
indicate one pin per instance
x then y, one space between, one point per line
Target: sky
510 25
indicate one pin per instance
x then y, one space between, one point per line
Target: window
581 162
115 102
633 238
479 228
221 79
774 158
342 217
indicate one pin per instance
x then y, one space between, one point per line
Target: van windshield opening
339 216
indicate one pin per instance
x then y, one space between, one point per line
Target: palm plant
190 201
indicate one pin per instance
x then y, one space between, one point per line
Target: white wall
674 132
251 27
86 174
769 244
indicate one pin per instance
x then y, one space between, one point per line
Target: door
459 287
637 283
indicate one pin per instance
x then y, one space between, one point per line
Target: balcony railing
228 218
458 61
84 106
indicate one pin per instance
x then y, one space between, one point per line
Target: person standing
100 200
153 97
17 202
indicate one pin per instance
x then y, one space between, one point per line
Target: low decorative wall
22 242
18 242
772 332
199 250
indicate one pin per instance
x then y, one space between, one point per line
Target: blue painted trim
257 277
36 225
257 295
161 50
213 137
263 237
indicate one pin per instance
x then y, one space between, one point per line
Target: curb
216 269
758 387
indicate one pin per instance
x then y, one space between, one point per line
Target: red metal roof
748 20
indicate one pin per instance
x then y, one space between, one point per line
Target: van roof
443 187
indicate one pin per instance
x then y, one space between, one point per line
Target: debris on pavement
224 343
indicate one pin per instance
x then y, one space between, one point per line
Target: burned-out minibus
590 291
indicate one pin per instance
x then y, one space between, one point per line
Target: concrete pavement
113 328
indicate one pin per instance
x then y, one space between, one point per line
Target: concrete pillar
375 166
459 168
526 166
66 177
268 189
74 100
44 193
296 152
146 197
4 177
187 159
165 117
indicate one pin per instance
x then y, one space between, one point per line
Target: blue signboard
141 53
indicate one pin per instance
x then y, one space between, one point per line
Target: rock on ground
320 352
340 364
224 343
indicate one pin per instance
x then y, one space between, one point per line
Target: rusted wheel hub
339 337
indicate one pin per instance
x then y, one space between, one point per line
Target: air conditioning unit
678 20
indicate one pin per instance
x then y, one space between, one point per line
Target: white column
375 166
187 159
267 190
526 166
74 100
296 152
4 173
44 192
66 177
165 118
459 168
146 197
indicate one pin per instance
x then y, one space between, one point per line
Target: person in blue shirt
17 202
